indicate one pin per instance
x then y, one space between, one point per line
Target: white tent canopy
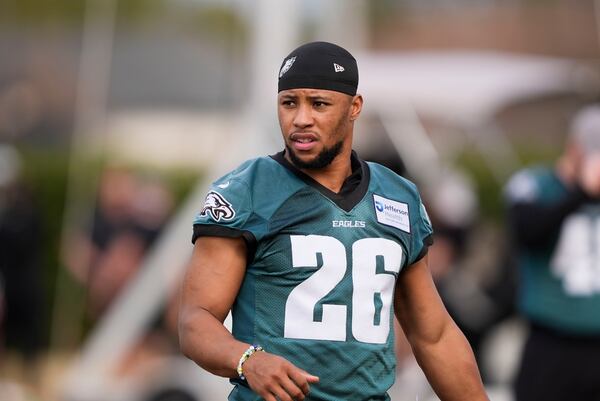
465 86
464 90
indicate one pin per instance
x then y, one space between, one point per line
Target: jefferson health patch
217 207
392 213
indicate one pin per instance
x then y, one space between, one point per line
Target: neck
333 176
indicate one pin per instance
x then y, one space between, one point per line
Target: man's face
316 125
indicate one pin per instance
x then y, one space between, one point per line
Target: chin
320 160
304 156
306 159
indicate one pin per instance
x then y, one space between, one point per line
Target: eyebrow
310 97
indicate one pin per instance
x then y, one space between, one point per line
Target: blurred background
116 114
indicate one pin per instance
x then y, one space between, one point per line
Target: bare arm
213 279
439 346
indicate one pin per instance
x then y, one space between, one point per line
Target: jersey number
372 293
577 256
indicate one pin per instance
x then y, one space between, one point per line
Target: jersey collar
353 189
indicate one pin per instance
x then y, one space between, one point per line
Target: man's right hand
275 378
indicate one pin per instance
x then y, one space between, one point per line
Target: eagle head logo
286 66
217 207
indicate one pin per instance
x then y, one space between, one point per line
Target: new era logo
338 68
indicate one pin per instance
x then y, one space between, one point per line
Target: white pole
90 117
344 22
275 32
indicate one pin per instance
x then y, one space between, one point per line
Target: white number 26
368 285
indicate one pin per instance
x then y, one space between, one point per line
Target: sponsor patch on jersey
392 213
217 207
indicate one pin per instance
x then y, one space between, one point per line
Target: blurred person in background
307 248
129 215
21 269
476 290
131 210
554 213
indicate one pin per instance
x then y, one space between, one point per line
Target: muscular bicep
417 304
214 275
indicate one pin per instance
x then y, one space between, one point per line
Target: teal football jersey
560 286
322 268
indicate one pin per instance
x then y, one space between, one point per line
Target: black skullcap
319 65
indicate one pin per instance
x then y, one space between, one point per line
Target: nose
303 117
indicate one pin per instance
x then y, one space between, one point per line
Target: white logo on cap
338 68
287 66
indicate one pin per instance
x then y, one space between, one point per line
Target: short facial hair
323 159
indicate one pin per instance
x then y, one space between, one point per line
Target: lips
303 141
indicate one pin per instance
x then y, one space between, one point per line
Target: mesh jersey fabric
318 288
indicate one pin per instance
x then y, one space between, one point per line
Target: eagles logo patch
287 65
217 207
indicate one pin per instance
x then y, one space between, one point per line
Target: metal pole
89 115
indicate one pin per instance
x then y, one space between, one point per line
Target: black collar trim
353 189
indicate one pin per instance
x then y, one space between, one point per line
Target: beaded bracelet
244 358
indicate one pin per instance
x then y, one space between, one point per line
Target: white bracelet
244 358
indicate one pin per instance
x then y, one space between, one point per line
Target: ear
356 107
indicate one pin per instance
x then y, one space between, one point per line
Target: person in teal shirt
554 213
314 251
